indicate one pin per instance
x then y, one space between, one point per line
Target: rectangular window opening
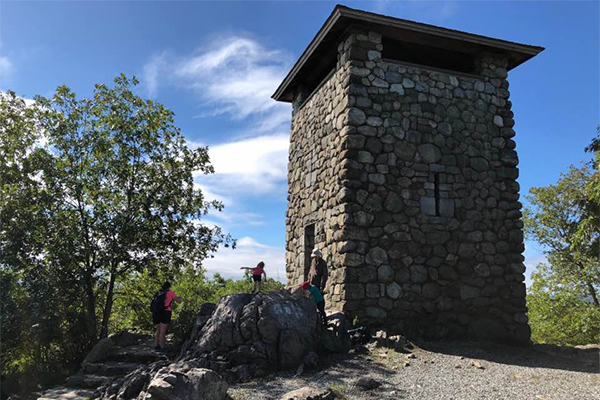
426 55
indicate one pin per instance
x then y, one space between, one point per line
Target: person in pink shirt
162 318
257 274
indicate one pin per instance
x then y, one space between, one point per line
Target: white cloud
250 166
248 253
6 67
151 72
234 75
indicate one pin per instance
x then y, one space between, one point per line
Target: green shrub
559 312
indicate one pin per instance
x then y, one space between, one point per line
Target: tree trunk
108 305
593 294
589 286
90 305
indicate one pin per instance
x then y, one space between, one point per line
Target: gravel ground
447 370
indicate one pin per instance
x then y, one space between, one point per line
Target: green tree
554 219
595 145
558 311
106 188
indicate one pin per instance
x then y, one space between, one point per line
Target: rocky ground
247 338
444 371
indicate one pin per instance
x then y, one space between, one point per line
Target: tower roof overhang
322 50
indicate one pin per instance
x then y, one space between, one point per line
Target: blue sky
215 64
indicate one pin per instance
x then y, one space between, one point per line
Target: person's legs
163 335
164 325
157 336
156 322
259 286
321 309
256 280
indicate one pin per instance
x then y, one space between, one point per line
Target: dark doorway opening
309 245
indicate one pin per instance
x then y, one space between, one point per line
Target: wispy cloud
248 253
234 76
151 73
6 68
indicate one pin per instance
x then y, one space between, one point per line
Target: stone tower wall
416 198
315 192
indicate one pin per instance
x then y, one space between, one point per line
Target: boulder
206 311
100 351
335 342
338 320
178 384
132 385
126 338
242 337
267 331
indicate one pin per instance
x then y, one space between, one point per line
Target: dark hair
260 264
166 285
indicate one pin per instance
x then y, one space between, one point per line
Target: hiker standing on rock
257 273
162 308
317 275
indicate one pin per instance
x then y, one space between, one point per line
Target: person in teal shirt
315 293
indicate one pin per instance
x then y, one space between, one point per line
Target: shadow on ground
585 359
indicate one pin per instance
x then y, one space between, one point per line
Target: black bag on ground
158 302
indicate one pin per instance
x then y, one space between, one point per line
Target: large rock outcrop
249 335
164 381
243 337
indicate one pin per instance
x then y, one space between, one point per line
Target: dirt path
447 371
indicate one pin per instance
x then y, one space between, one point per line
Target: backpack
158 302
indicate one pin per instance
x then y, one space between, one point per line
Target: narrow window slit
436 190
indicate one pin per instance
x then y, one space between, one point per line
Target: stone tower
403 172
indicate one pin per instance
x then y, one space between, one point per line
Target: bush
132 304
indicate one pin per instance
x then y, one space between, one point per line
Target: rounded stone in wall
356 117
394 291
385 273
482 270
479 164
377 256
418 273
376 312
430 153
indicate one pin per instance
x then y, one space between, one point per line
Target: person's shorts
161 318
256 278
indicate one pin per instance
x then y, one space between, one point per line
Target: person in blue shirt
315 293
